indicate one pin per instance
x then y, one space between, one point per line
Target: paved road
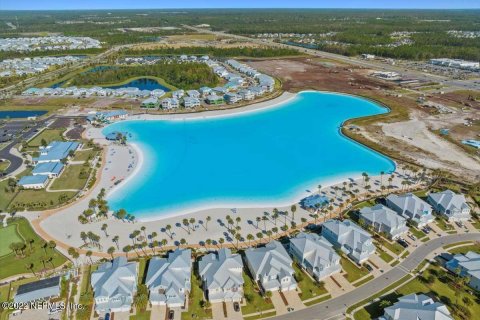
463 84
334 308
16 161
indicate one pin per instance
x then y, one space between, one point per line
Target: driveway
121 315
334 308
294 300
278 303
217 311
231 313
158 313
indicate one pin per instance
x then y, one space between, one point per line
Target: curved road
334 308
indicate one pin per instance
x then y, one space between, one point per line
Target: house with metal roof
193 94
204 91
33 182
114 285
411 208
177 94
168 279
469 266
170 103
246 94
272 267
315 254
384 220
232 97
350 238
189 102
214 99
150 103
40 290
416 307
50 169
56 151
222 276
450 204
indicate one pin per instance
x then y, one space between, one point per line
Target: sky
162 4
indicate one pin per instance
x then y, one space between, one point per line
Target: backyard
40 258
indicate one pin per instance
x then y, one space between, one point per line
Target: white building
384 220
417 307
451 205
411 207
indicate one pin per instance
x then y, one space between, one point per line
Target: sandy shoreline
125 162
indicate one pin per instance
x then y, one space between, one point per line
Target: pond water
21 114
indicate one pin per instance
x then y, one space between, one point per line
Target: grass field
5 197
12 265
417 233
141 316
8 235
307 285
70 179
465 249
4 165
353 272
39 199
256 302
385 256
84 155
48 135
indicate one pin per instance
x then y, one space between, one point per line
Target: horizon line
247 8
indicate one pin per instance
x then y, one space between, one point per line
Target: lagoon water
267 157
142 84
21 114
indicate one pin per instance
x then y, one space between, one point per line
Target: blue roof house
33 182
314 202
50 169
56 151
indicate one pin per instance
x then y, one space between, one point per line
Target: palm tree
208 219
29 266
208 242
169 228
259 236
52 244
143 228
30 242
269 234
238 237
275 216
192 222
293 208
104 229
250 237
44 245
221 241
186 224
83 236
110 251
153 235
264 219
155 244
183 241
258 219
89 255
115 239
163 242
238 220
127 249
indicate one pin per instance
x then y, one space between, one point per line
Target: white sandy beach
123 162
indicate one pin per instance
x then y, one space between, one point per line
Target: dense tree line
181 75
263 52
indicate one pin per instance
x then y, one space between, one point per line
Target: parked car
236 306
369 267
107 316
403 243
411 236
171 314
425 229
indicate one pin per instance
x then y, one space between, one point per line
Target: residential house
411 207
150 103
193 94
178 94
246 94
168 279
468 265
41 290
315 254
384 220
231 98
50 169
204 91
114 285
451 205
33 182
170 103
222 276
189 102
214 99
272 267
350 238
416 307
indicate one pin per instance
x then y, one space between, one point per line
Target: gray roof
315 249
468 263
169 279
116 279
383 215
222 270
38 290
448 201
271 261
417 307
409 204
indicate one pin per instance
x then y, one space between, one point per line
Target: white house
450 204
350 238
33 182
469 266
384 220
416 307
315 254
411 207
272 267
222 276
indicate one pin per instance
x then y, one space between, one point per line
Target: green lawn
465 249
70 178
84 155
442 224
86 294
385 256
8 235
255 301
417 233
12 265
39 199
261 316
363 281
353 272
448 246
307 285
393 246
315 301
48 135
4 165
141 316
195 309
5 197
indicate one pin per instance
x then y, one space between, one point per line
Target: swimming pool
268 157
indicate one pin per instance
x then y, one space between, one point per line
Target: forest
181 75
264 52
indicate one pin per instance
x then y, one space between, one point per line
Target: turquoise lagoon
268 157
